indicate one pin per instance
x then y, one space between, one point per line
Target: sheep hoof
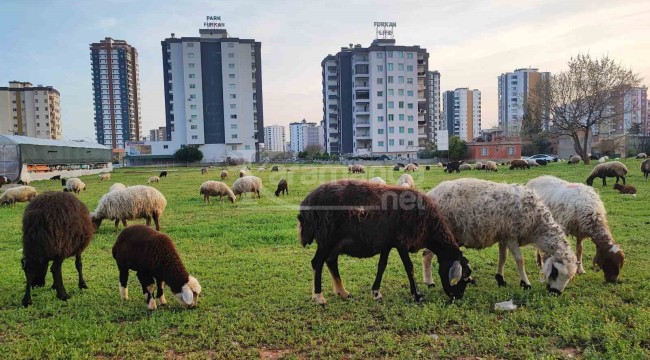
524 285
431 286
319 299
376 295
417 297
344 294
63 297
581 270
26 301
82 285
500 281
162 300
152 304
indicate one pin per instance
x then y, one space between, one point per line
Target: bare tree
589 94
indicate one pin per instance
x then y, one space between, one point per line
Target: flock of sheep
358 218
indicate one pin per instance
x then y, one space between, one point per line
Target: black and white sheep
134 202
247 184
361 219
16 194
611 169
581 213
216 188
283 188
645 168
155 259
483 213
56 225
242 173
4 180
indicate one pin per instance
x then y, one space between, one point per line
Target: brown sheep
519 164
283 188
645 168
625 189
611 169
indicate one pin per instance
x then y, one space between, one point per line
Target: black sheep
154 257
453 166
541 162
56 177
63 181
401 165
56 225
427 168
275 168
163 174
282 188
645 168
396 168
362 219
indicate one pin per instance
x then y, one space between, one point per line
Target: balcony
362 110
363 135
364 151
364 123
361 85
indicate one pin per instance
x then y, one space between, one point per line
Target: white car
548 158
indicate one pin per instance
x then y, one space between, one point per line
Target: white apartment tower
274 138
434 113
30 111
462 113
303 134
514 90
376 100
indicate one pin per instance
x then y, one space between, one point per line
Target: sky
470 42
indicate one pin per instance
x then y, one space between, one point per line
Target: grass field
256 282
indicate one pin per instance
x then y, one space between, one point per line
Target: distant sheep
645 168
247 184
406 180
611 169
224 174
283 188
427 168
519 164
491 166
625 189
465 167
410 167
74 185
275 168
134 202
532 163
63 181
155 258
396 168
163 174
4 180
357 169
378 180
261 169
541 162
56 226
204 171
153 179
641 156
17 194
401 165
478 166
453 166
603 160
103 177
56 177
215 188
25 179
578 209
242 173
439 164
574 159
116 186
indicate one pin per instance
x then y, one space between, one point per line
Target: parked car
546 157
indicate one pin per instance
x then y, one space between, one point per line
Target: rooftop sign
213 22
384 30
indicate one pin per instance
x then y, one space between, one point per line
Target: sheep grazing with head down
625 189
134 202
247 184
574 160
411 167
406 181
224 174
56 225
611 169
645 168
163 174
641 155
378 180
116 186
154 257
490 166
16 194
103 177
204 171
603 160
452 166
541 162
465 167
216 188
478 166
357 169
483 213
361 219
533 163
519 164
581 213
261 169
74 185
153 179
396 168
283 188
275 168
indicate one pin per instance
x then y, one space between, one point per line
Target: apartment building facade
462 113
28 110
274 138
514 90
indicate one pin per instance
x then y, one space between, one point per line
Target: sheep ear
546 270
455 273
187 295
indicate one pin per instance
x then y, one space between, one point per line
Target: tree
457 148
531 123
188 154
578 101
635 129
429 151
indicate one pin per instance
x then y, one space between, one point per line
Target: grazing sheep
361 219
163 174
491 166
224 174
645 168
204 171
74 185
401 165
357 169
396 168
574 159
533 163
427 168
154 257
439 164
465 167
56 177
453 166
519 164
215 188
611 169
242 173
261 169
134 202
482 213
24 179
581 213
63 181
478 166
406 180
247 184
378 180
17 194
602 160
116 186
153 179
56 225
4 180
641 156
625 189
103 177
282 188
275 168
410 167
541 162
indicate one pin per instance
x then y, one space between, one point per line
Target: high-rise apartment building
159 134
213 95
30 111
633 118
116 92
514 90
303 134
274 138
462 113
375 99
434 113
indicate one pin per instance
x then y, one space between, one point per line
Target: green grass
257 284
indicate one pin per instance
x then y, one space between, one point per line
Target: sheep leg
623 177
147 283
408 266
117 223
27 299
160 292
78 265
124 222
339 289
58 279
502 261
581 270
148 221
155 220
124 279
381 267
519 259
317 267
605 181
539 258
427 259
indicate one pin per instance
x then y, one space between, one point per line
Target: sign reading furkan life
213 22
384 29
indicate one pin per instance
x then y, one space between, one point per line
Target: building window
247 147
38 124
389 66
400 92
391 105
232 96
511 150
233 106
400 67
380 55
390 79
410 105
409 55
400 54
389 54
233 126
380 143
380 67
380 106
400 79
231 45
401 129
192 96
401 142
231 66
380 93
191 76
484 151
391 130
409 67
190 55
194 127
409 80
192 86
410 118
38 116
231 86
233 116
380 81
401 104
380 131
410 131
410 143
391 142
193 116
234 136
401 117
194 137
231 76
380 118
231 55
391 92
190 44
391 117
192 107
409 93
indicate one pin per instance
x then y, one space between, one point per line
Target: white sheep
603 159
641 155
483 213
378 180
411 167
478 166
242 173
261 169
581 213
153 179
18 194
439 164
491 166
465 167
103 177
116 186
532 162
406 180
134 202
574 159
224 174
74 185
247 184
215 188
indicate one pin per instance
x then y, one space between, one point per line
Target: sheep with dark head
361 219
163 174
453 166
611 169
641 155
283 188
4 180
56 225
625 189
519 164
645 168
154 257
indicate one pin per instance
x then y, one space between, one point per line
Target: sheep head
557 274
96 220
610 260
189 294
454 275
